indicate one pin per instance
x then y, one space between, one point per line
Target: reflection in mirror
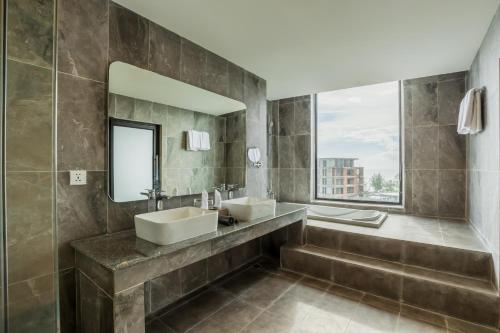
178 108
133 151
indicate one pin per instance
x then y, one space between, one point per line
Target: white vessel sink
249 208
175 225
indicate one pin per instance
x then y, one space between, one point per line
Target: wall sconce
254 157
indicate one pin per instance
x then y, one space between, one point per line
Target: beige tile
268 323
196 310
267 290
368 319
406 325
231 318
298 301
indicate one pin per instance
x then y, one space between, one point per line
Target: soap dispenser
204 200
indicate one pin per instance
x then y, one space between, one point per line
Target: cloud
362 122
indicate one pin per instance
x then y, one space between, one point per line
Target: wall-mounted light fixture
254 157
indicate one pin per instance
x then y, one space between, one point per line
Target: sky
361 122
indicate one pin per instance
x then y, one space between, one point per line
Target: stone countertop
123 249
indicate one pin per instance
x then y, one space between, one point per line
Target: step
467 262
463 297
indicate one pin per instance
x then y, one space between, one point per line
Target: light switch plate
78 177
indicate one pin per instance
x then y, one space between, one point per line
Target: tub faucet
155 199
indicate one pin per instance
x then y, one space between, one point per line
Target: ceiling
307 46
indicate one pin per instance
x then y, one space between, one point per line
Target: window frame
401 160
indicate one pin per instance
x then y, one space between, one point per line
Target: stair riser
459 261
446 299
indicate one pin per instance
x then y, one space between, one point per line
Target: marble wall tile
286 185
193 62
457 302
452 148
235 154
121 215
425 148
271 243
165 51
128 37
81 123
219 265
286 119
95 306
370 246
275 152
424 103
451 193
425 192
407 149
302 185
236 80
29 244
274 130
382 283
302 151
163 291
32 305
129 311
81 212
316 266
143 111
407 105
67 300
194 276
235 126
286 152
25 17
83 42
123 107
216 76
29 118
302 116
450 94
408 191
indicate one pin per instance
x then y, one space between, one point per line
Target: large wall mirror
169 135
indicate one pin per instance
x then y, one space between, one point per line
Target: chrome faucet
230 190
155 199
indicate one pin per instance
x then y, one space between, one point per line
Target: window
358 133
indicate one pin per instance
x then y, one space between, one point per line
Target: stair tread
460 281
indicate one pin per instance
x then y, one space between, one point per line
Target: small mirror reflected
200 136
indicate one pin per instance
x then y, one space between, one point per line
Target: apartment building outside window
358 149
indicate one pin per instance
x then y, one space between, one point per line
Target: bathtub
359 217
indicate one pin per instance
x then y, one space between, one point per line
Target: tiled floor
264 299
452 233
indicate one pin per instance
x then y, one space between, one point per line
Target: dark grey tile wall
483 164
289 137
434 154
29 188
91 35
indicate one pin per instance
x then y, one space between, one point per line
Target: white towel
193 140
205 141
469 117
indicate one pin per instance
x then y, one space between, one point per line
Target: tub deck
446 232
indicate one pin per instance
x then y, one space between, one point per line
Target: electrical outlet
78 177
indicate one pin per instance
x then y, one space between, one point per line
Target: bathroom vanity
115 270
